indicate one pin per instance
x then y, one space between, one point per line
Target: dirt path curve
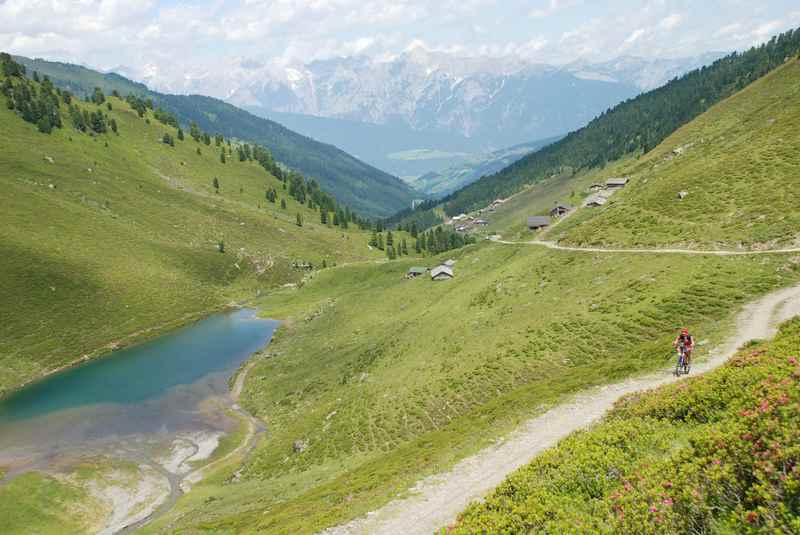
179 484
254 428
710 252
437 500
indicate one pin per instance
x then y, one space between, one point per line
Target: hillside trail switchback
436 501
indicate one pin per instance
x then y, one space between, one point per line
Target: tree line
37 101
434 241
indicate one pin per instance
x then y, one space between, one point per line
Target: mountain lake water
134 402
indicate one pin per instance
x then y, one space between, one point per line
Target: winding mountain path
436 501
708 252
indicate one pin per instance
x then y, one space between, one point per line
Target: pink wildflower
667 501
653 509
792 361
716 462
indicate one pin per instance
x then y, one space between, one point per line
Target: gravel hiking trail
436 501
707 252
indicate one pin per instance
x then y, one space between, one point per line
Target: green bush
717 453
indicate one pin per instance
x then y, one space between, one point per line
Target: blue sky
170 34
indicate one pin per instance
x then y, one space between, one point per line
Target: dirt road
438 500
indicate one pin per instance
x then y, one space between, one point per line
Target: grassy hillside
714 454
367 190
385 380
739 165
110 237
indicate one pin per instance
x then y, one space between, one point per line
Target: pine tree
414 230
194 131
373 241
199 153
299 220
418 246
44 125
221 246
215 183
380 241
323 216
404 247
283 204
222 156
180 134
389 239
113 123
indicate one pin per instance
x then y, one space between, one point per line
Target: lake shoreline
128 341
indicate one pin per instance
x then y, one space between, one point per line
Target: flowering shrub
717 453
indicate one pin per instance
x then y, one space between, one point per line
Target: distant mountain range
472 104
369 191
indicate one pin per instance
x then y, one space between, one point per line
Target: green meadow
385 380
108 239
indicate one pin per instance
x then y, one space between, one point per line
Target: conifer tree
299 220
283 204
323 216
180 134
44 125
404 247
222 156
215 183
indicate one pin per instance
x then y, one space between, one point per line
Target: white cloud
635 36
200 35
550 8
671 21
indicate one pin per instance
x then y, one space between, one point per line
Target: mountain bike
682 367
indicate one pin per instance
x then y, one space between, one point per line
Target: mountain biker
686 341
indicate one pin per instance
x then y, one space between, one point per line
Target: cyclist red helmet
684 331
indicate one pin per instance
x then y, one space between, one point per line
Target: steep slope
715 454
110 237
367 190
736 167
634 126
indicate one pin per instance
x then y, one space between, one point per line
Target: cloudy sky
140 33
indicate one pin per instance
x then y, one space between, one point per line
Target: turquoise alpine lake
161 386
